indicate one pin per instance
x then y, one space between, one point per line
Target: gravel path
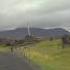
9 62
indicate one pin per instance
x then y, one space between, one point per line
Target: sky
36 13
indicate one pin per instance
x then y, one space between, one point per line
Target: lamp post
28 28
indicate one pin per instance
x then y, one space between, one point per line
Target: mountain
20 33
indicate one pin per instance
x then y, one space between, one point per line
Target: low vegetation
4 48
49 55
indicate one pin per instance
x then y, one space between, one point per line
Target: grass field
4 49
49 55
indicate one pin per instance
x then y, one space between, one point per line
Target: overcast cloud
37 13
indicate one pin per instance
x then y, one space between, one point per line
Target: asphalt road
9 62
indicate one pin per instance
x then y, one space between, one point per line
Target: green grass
49 55
4 49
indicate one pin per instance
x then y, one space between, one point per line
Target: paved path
9 62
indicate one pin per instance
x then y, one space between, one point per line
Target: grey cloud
38 13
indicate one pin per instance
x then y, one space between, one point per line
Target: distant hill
20 33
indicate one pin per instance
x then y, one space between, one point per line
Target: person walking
12 50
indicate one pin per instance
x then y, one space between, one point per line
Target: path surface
9 62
